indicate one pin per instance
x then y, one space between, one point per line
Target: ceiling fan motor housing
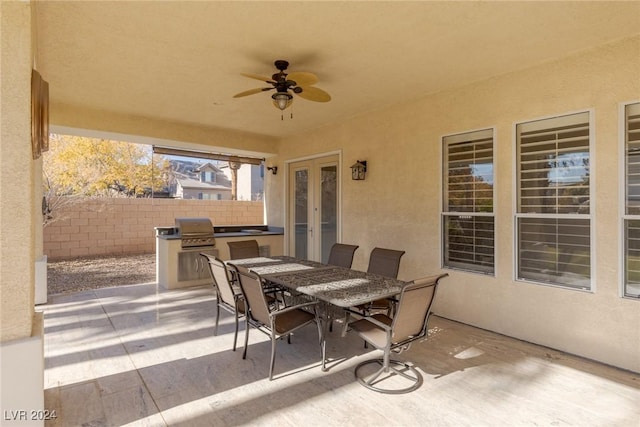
281 64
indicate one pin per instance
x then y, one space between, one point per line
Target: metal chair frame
264 317
228 296
385 262
400 331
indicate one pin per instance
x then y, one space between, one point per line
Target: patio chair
228 296
269 319
244 249
341 255
385 262
396 334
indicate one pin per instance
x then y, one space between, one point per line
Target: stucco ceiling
181 61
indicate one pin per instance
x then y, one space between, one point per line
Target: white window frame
444 212
624 217
592 203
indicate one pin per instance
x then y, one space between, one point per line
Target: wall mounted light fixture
358 170
273 169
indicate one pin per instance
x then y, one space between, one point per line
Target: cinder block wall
97 227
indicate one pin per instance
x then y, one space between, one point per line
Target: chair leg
215 329
386 358
235 335
273 354
246 336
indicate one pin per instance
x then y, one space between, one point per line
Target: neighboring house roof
207 166
195 184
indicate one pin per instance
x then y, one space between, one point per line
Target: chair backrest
221 278
385 262
251 285
342 255
244 249
414 307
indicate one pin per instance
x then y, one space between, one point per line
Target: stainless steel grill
195 232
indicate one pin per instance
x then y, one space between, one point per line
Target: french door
313 223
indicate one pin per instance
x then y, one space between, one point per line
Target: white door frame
287 201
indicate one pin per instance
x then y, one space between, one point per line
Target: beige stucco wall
398 205
17 241
160 132
21 328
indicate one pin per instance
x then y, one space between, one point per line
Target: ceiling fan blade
311 93
251 91
303 78
258 77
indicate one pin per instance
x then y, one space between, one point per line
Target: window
207 176
631 218
467 217
553 221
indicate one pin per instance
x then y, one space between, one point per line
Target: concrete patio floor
144 356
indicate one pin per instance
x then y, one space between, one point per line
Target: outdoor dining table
331 285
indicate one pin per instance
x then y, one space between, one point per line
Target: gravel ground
90 273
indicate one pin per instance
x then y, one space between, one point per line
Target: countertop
272 231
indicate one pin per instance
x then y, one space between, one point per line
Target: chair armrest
377 323
293 307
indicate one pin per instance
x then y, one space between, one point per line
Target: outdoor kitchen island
179 267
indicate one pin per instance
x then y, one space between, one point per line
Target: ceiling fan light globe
282 100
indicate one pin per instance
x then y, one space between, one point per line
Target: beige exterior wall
126 226
21 328
107 124
17 168
398 205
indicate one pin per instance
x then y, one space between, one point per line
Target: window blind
554 166
468 239
632 131
632 202
553 224
470 173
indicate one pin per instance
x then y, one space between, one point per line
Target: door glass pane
300 212
329 209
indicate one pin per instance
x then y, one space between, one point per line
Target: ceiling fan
299 82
